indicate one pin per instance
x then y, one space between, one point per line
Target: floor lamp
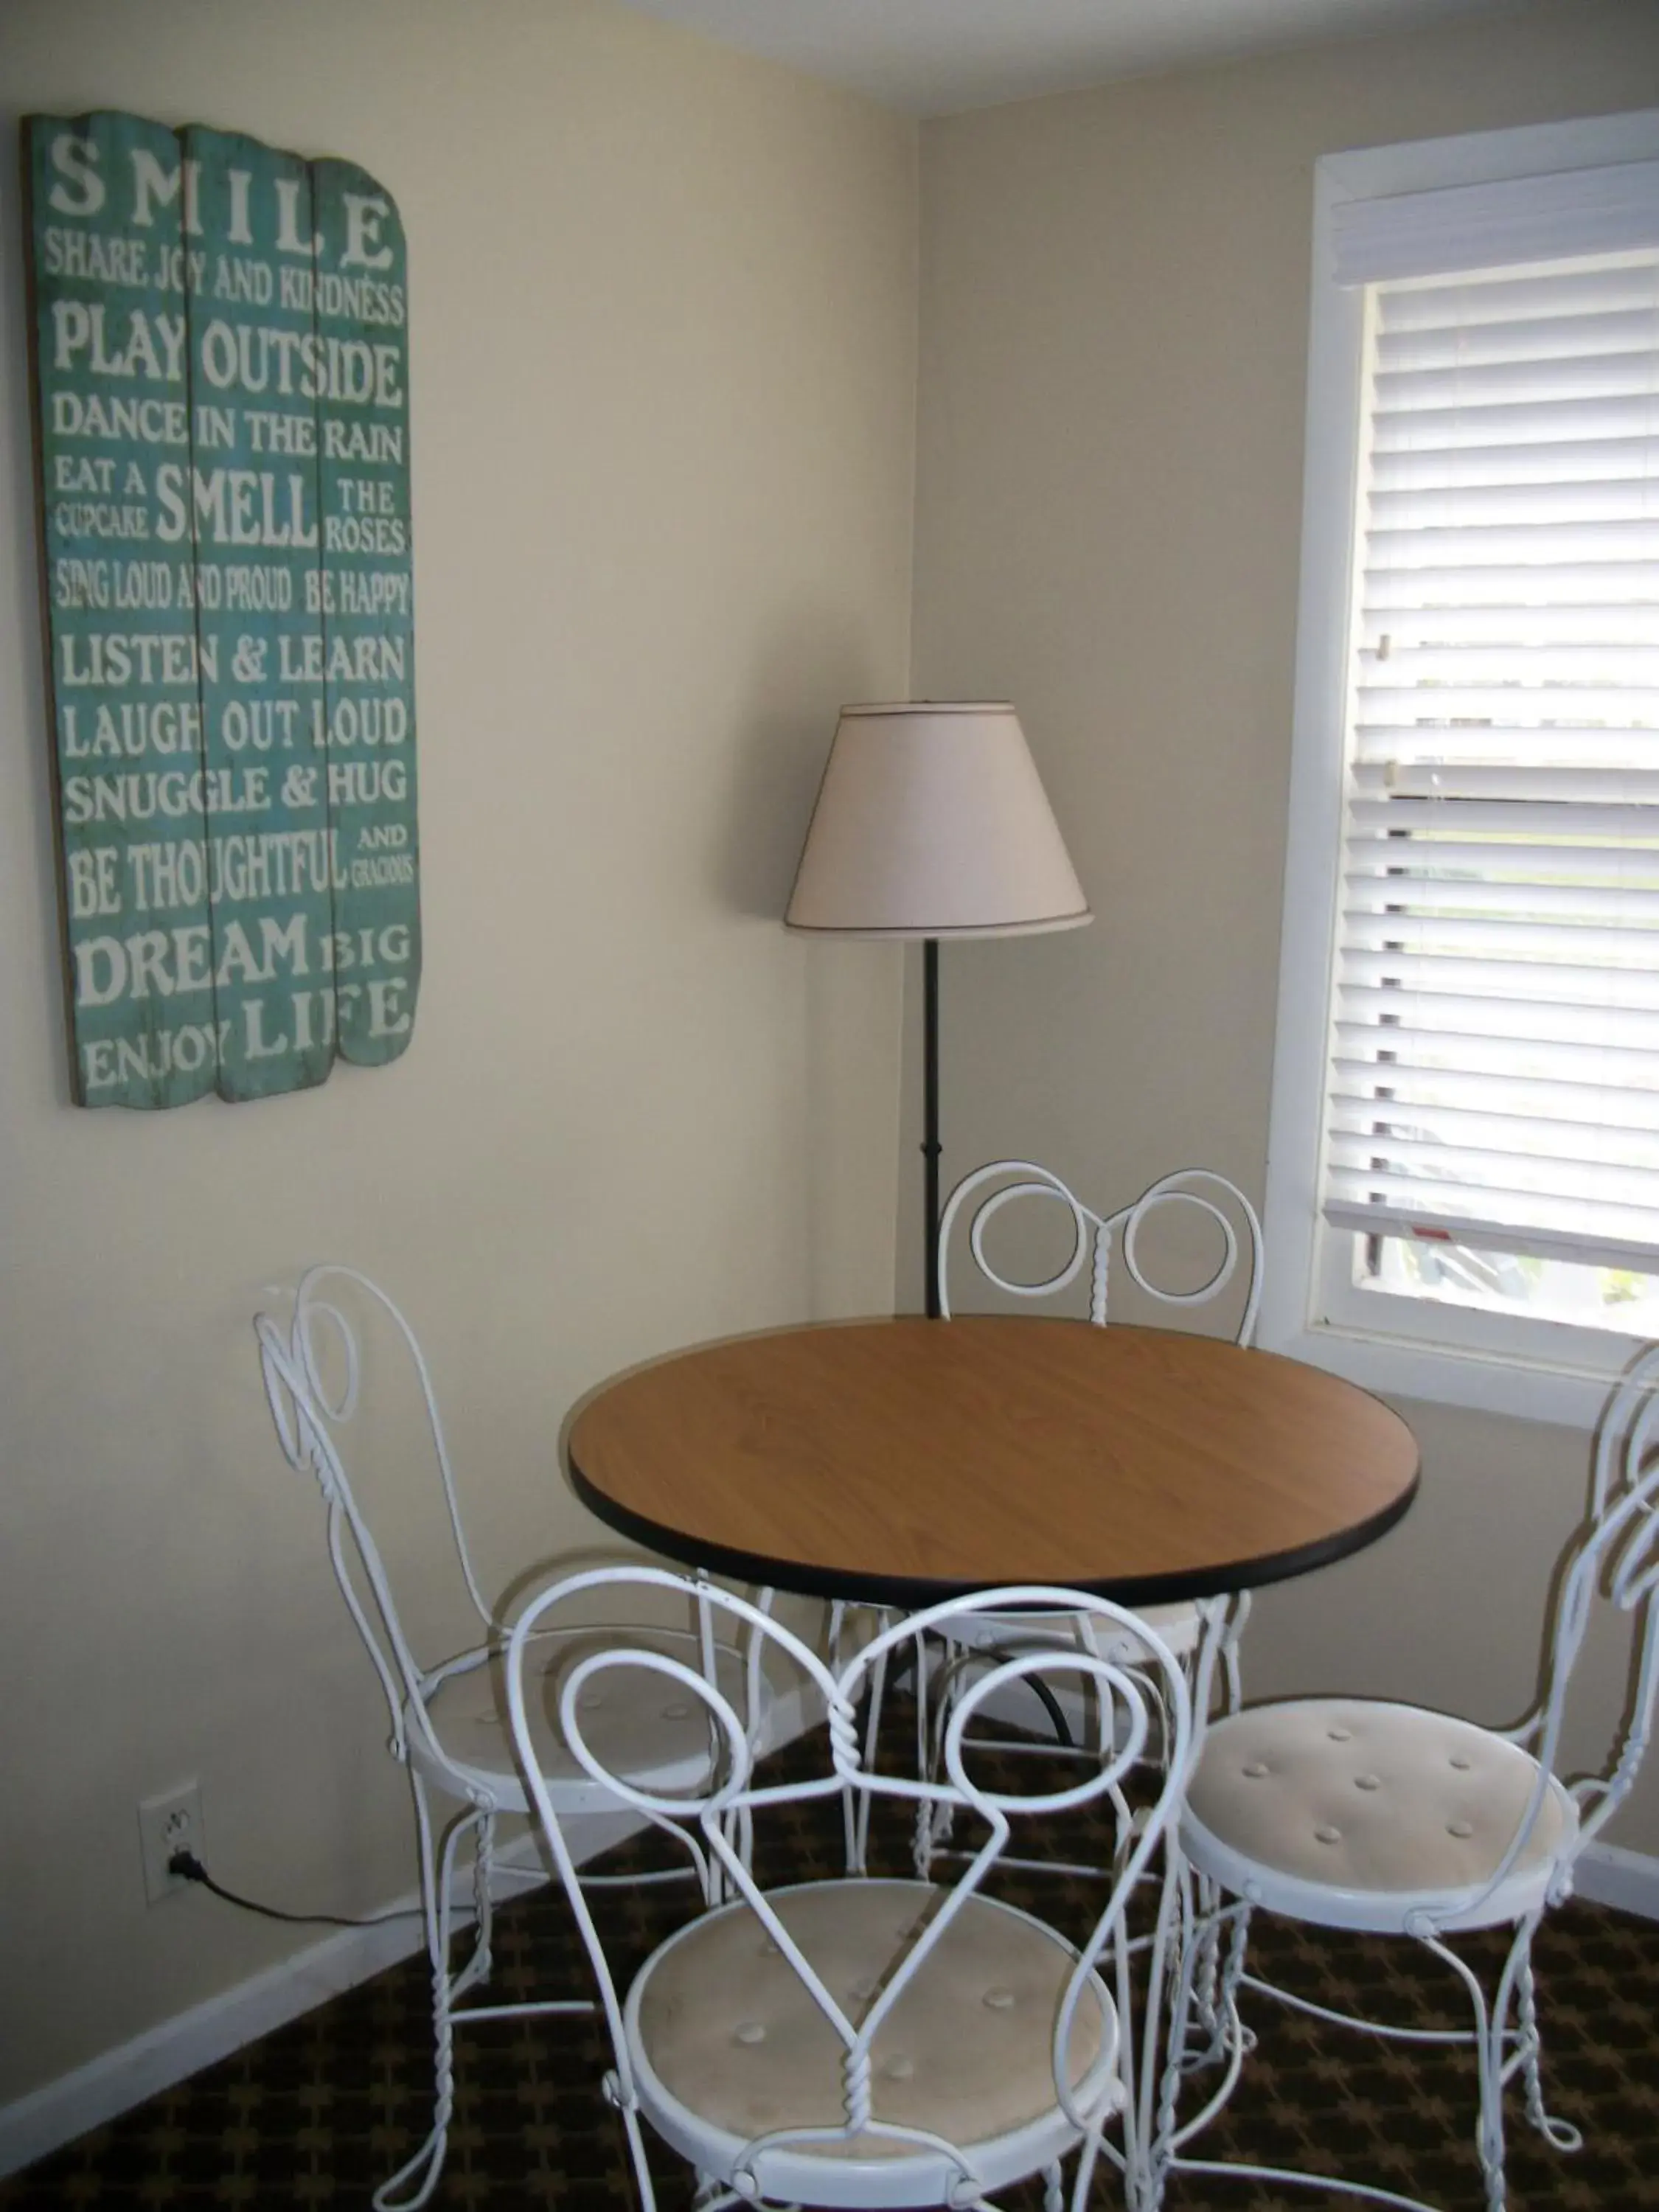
932 822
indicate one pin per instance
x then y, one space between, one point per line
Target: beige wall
663 377
1115 311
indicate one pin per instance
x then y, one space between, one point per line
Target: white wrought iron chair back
812 2155
1095 1236
1101 1243
1617 1557
309 1408
308 1414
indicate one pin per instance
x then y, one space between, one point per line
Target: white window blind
1571 212
1495 1069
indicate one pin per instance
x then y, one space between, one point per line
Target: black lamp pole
930 1143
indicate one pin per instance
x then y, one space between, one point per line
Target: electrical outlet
168 1823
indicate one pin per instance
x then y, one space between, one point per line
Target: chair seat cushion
1354 1795
641 1725
731 2033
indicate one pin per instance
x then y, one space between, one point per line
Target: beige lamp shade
932 821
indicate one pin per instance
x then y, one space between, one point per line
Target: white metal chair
1357 1814
857 2041
1095 1238
449 1720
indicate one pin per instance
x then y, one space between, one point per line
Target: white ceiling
938 57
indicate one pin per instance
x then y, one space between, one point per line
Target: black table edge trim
912 1592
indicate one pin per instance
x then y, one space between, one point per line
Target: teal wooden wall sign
221 352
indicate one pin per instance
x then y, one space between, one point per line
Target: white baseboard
1609 1874
58 2111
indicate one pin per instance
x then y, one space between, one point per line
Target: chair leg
924 1710
1489 2133
1215 1970
414 2181
854 1819
850 1829
1205 1983
935 1824
921 1846
1492 2034
1206 1994
1231 1974
1560 2134
1192 1964
857 1817
477 1968
1232 1695
642 2170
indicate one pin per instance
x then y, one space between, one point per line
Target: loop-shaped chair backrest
312 1366
1616 1556
1149 1694
1196 1190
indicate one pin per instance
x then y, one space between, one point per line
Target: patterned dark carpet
319 2112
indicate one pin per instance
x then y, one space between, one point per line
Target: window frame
1414 1347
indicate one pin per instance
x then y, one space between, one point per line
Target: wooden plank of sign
220 344
368 677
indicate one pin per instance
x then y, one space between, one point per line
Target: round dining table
900 1461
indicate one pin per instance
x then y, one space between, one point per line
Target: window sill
1525 1389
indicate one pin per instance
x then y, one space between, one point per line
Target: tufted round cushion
1353 1794
643 1726
731 2033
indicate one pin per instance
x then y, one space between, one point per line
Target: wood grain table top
903 1461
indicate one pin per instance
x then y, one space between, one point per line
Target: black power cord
188 1867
